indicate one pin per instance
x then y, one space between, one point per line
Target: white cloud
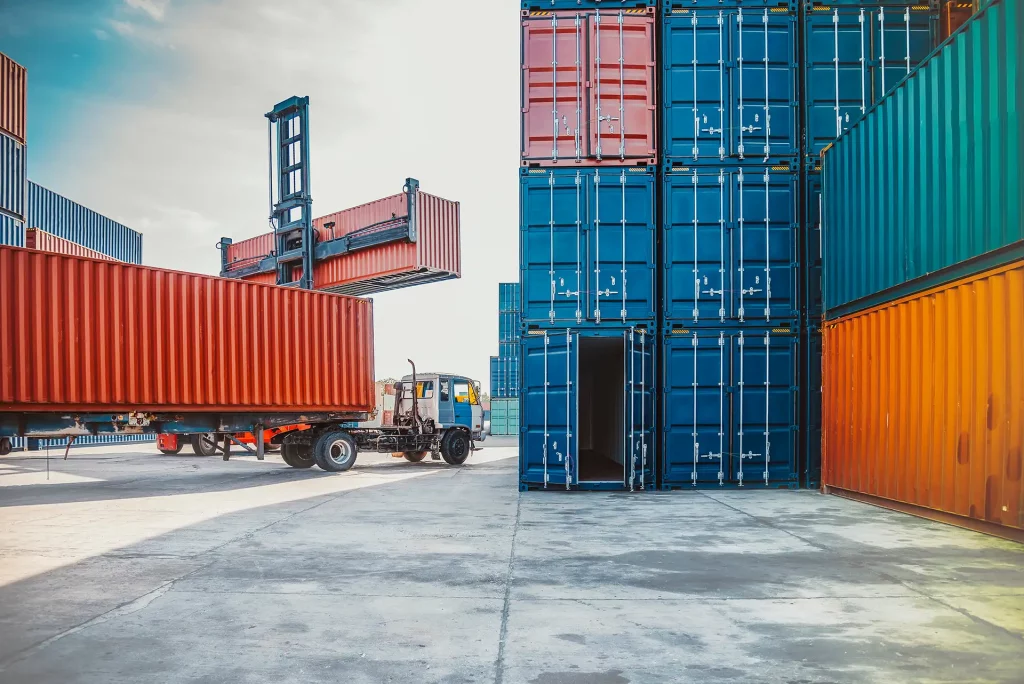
397 88
156 9
122 28
101 34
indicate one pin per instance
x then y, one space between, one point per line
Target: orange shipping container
48 242
924 403
13 89
85 335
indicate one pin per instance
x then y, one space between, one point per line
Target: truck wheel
298 455
5 446
415 456
334 451
455 447
204 444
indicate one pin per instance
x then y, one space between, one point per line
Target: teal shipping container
504 417
928 186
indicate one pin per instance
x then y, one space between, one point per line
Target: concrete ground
128 566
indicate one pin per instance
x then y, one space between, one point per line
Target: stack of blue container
729 229
505 366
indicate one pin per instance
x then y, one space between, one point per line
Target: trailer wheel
204 444
455 447
334 451
415 456
5 446
297 455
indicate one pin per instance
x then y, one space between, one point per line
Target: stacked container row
13 155
69 220
505 366
588 245
924 287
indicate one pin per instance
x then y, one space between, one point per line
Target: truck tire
415 456
298 455
204 443
334 451
5 446
455 447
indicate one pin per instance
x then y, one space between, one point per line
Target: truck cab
449 400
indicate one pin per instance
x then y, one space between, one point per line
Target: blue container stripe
508 327
555 431
509 350
97 440
854 54
729 85
504 377
587 246
813 300
730 246
58 215
811 408
508 297
13 158
12 231
729 408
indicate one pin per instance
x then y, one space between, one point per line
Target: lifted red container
588 87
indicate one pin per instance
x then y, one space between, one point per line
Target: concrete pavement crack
499 662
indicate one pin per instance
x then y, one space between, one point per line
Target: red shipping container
13 96
36 238
434 256
589 87
85 335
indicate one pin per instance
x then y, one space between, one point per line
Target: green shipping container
504 417
927 187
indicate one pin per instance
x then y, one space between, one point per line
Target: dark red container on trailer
13 98
90 336
588 87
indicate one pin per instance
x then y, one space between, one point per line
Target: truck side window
462 392
445 390
425 390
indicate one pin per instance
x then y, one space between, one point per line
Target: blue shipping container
814 303
729 85
810 412
671 6
504 376
96 440
853 56
12 231
730 408
508 350
730 245
13 159
508 327
587 245
588 409
58 215
508 297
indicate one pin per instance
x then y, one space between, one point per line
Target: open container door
548 444
639 407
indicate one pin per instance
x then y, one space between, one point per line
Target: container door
639 406
696 409
554 86
553 258
764 84
621 247
764 248
622 85
697 246
696 109
548 447
813 290
764 414
903 36
837 78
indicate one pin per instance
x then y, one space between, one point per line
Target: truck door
464 398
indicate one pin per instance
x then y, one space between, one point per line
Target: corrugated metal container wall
845 46
814 304
729 88
588 87
730 245
932 176
86 335
13 98
508 297
587 246
584 425
508 327
46 242
12 231
13 160
509 350
924 400
729 408
60 216
810 403
504 417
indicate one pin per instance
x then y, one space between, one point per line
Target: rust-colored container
924 402
48 242
85 335
588 87
13 98
434 256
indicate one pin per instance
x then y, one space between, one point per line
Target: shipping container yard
717 377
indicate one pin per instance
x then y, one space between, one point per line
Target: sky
151 112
